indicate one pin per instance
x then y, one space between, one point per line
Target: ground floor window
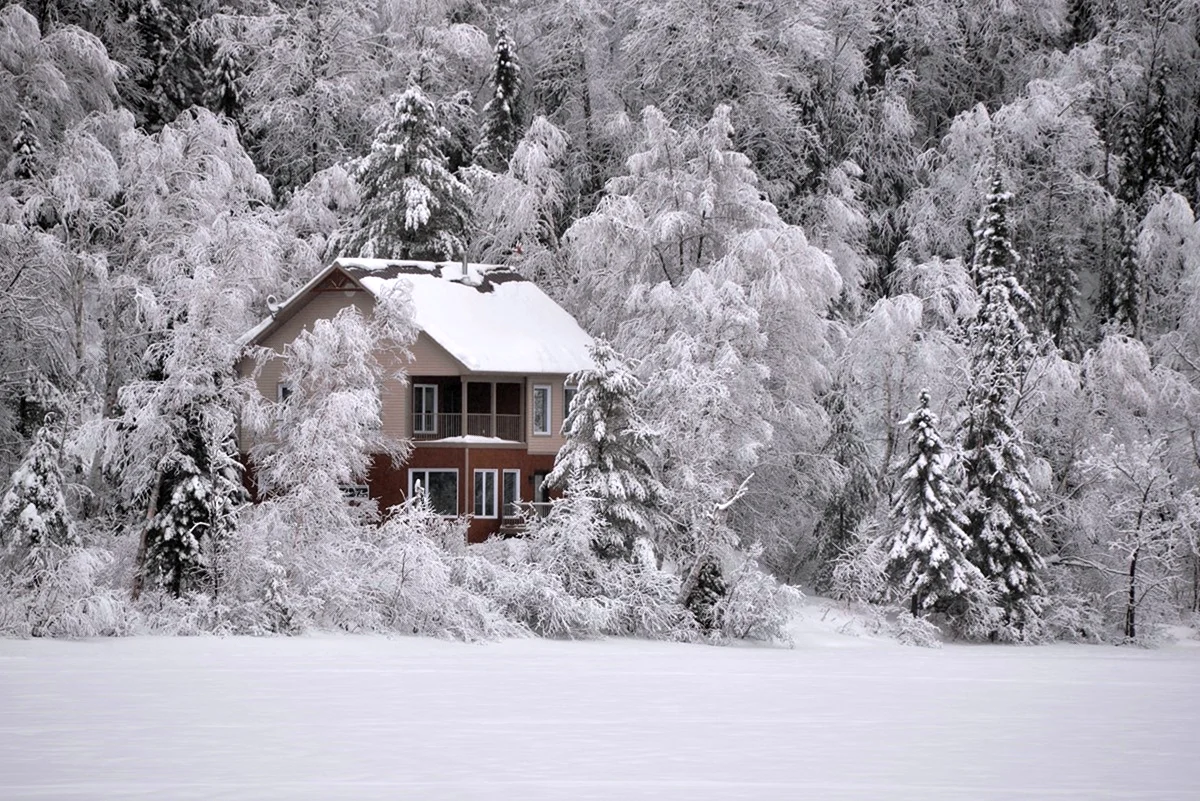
485 493
440 484
512 493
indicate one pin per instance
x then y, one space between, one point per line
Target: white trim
426 413
412 471
549 410
495 492
516 501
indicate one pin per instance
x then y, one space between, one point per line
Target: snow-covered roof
491 319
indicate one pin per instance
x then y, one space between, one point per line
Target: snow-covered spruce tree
606 455
853 494
34 518
927 560
224 96
1060 305
412 206
1003 520
502 125
25 149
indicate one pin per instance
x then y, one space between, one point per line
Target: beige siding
319 306
542 443
429 358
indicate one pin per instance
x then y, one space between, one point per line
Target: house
486 392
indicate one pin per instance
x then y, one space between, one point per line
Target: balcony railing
427 427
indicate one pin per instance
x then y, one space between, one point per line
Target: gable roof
491 319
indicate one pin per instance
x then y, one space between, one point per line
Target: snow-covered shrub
860 572
756 606
919 631
62 595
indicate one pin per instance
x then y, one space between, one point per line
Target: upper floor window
569 394
541 409
425 408
283 391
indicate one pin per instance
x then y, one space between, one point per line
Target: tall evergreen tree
33 512
25 149
1060 305
854 494
605 454
502 125
927 561
1003 521
412 205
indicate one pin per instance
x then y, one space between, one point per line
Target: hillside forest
895 301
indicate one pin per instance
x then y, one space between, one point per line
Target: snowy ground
837 717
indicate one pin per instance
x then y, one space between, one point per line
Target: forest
896 302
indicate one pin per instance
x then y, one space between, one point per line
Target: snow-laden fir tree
1003 520
605 456
853 496
412 205
33 513
502 128
927 560
223 95
25 149
1060 305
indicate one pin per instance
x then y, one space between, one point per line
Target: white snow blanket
345 717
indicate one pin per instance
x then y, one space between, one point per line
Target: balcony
430 427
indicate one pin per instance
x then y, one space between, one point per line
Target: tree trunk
139 565
1131 605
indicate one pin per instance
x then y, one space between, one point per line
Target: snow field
837 717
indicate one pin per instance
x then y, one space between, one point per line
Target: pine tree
199 491
412 205
1124 290
927 561
1159 152
502 127
855 493
25 149
1060 306
33 513
1003 520
605 454
223 95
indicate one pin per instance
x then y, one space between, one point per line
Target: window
425 408
440 485
541 409
283 391
355 494
568 398
485 493
512 493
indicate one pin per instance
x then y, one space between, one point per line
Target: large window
485 493
568 399
425 408
541 409
440 485
512 493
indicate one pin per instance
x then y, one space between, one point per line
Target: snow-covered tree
326 433
517 216
34 519
927 558
608 454
1001 508
412 206
25 149
502 124
1147 520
